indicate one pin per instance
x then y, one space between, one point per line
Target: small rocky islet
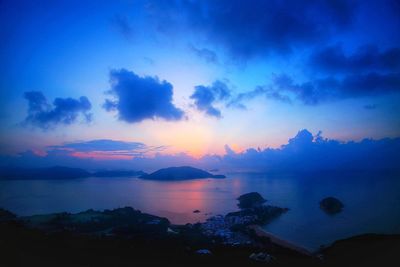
331 205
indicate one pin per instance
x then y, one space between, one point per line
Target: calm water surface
372 201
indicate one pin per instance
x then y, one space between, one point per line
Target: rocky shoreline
236 238
229 229
125 236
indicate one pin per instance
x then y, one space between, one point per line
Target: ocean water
372 201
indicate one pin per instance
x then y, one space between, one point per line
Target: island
331 205
250 200
180 173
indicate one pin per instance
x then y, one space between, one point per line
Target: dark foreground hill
128 237
22 246
179 173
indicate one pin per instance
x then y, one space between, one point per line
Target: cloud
255 27
102 145
123 26
206 96
333 59
330 89
266 91
62 111
106 149
310 93
313 92
308 152
208 55
138 98
304 152
365 73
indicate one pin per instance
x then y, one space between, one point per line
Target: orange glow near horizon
100 155
193 139
197 151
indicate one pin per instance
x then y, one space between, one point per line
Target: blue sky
194 76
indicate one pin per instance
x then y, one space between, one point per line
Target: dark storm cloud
270 29
313 92
62 111
329 89
258 26
206 96
333 59
138 98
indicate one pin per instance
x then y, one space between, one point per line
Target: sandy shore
278 241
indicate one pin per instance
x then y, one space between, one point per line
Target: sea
371 200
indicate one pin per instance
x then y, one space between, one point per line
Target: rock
261 257
203 252
170 231
331 205
6 215
320 257
118 222
155 221
250 200
196 211
258 215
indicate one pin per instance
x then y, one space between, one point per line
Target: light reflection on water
372 202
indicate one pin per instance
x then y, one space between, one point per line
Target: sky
123 81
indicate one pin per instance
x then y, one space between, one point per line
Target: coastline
259 231
48 240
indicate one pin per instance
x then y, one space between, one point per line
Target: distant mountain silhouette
59 172
179 173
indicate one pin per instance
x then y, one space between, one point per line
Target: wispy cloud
320 90
208 55
107 149
121 23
